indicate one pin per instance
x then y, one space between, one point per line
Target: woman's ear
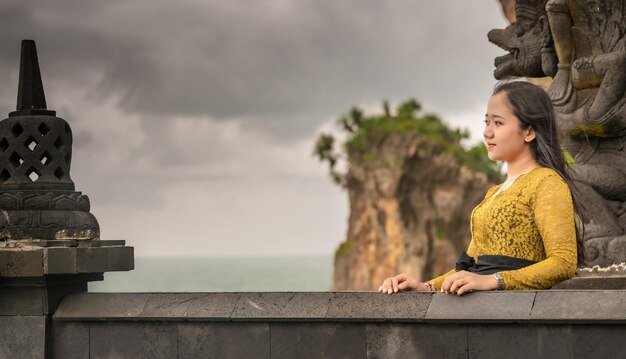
530 134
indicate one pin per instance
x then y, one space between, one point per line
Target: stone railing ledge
551 306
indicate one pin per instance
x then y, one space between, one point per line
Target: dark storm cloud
183 109
289 63
67 49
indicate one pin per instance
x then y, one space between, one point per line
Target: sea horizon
262 273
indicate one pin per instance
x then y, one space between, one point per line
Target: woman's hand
462 282
401 282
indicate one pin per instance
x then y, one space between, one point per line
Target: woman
523 232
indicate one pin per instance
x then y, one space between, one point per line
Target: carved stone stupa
49 241
37 195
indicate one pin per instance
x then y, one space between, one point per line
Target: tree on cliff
364 133
411 186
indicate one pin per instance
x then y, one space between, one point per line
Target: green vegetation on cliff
344 248
364 133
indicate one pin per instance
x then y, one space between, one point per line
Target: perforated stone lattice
38 150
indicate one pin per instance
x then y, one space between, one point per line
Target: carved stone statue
582 45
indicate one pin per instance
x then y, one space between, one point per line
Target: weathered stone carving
528 40
589 94
20 200
37 197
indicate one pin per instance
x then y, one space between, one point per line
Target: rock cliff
411 195
409 212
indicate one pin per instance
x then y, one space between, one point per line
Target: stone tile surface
97 306
416 340
285 306
522 341
481 306
572 306
223 340
318 340
307 306
70 340
190 305
136 340
599 341
213 306
378 306
261 305
22 336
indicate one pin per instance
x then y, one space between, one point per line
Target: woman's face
504 139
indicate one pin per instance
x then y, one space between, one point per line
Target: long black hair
533 108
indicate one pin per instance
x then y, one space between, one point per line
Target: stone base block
37 261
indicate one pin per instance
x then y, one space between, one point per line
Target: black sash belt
490 264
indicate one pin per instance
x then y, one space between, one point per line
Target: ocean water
222 274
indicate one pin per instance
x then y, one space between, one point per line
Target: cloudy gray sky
194 121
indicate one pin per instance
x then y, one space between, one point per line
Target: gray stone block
580 306
22 262
377 306
22 301
98 306
120 258
70 340
213 306
260 305
104 259
416 340
223 340
22 336
520 341
285 306
198 306
135 340
599 341
59 260
303 306
91 260
318 340
481 307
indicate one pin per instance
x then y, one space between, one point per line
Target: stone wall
529 324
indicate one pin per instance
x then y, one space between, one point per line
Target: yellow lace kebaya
533 219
